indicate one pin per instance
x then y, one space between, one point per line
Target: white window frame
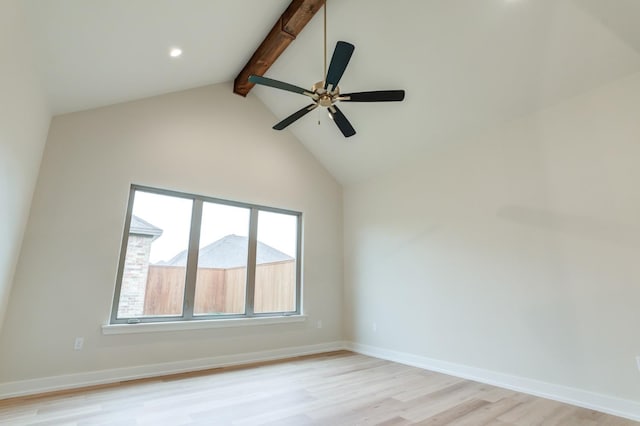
192 260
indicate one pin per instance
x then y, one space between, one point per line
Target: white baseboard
581 398
101 377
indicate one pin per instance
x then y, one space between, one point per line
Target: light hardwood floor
339 388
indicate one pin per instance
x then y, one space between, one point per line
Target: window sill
152 327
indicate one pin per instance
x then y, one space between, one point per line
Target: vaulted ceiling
467 65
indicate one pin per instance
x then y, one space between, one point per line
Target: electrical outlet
375 327
319 324
638 361
78 344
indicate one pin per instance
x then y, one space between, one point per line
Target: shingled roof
142 227
230 252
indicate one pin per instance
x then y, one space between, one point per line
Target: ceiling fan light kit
326 94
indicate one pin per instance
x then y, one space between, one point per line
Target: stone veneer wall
134 278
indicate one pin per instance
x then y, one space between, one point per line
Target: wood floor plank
437 402
395 421
488 412
448 416
335 389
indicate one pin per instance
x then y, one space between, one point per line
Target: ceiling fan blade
339 61
341 121
295 116
264 81
375 96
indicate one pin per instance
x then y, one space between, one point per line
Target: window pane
222 261
155 262
276 263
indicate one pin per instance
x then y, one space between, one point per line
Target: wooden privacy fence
221 291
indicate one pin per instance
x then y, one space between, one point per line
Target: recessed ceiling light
175 52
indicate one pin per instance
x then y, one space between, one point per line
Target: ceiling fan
326 93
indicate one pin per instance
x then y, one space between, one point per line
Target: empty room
299 212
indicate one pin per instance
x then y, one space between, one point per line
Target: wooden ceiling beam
286 29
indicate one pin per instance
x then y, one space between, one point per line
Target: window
187 257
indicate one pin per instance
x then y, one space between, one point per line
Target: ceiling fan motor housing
326 98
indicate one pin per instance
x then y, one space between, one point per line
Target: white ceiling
466 65
101 52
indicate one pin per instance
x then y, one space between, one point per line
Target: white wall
515 251
24 120
204 141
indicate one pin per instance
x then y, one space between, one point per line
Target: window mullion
192 260
251 263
